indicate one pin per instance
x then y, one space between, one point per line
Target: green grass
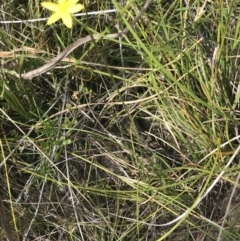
115 141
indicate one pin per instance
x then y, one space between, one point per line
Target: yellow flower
63 10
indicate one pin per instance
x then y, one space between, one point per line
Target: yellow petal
76 8
54 18
61 1
72 2
50 6
67 19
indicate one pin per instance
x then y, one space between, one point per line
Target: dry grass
114 147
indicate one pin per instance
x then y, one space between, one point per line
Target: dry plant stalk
5 225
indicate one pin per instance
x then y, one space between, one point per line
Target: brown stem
7 228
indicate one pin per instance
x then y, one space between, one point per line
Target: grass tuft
124 135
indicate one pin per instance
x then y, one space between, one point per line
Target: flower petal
72 2
54 18
67 19
50 6
76 8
